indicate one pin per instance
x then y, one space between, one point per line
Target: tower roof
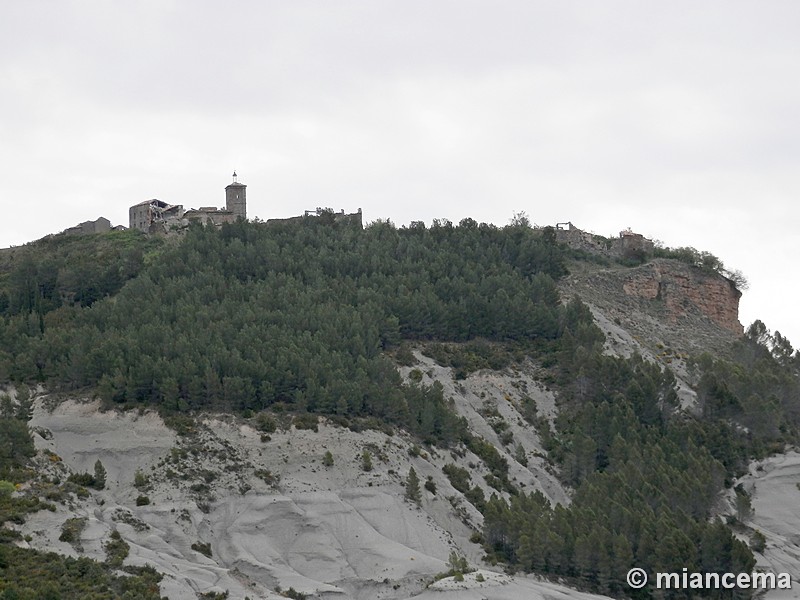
235 183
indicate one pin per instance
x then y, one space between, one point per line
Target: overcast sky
678 119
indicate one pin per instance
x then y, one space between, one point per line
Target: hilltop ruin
628 245
157 216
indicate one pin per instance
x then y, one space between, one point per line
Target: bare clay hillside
233 510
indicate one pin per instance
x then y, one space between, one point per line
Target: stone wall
210 216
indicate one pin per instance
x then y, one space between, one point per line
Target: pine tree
99 476
412 487
520 456
366 461
24 403
622 559
457 562
744 508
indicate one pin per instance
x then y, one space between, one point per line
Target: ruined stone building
157 216
634 244
145 215
99 225
627 245
340 217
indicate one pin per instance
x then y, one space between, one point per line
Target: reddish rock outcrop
683 289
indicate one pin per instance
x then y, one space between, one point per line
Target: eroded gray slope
274 515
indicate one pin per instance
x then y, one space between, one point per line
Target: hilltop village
159 217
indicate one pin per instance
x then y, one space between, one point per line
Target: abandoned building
99 225
145 215
627 245
157 216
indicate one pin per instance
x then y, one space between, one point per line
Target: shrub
183 425
213 595
71 532
430 485
268 477
489 454
306 421
6 489
116 550
458 476
142 501
140 480
477 537
202 548
82 479
458 566
476 497
404 356
266 423
291 593
758 542
366 461
457 562
494 482
8 535
499 425
327 459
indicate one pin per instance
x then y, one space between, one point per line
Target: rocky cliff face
664 309
683 289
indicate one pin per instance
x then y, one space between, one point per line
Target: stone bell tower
236 198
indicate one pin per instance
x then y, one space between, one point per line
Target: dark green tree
413 491
99 476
